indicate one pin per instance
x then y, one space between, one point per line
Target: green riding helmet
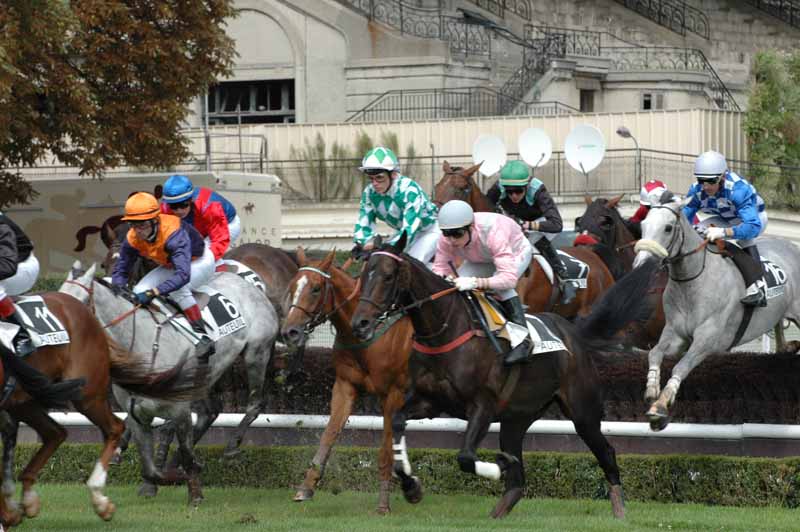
515 174
380 158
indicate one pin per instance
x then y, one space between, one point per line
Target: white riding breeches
487 269
719 221
202 271
424 246
23 280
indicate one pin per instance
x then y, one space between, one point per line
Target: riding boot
205 347
515 314
567 288
23 344
756 294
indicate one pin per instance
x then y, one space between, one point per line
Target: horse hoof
31 504
12 517
412 490
116 458
148 489
108 512
506 503
617 501
383 510
658 417
303 494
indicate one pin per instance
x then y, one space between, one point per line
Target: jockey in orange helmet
185 261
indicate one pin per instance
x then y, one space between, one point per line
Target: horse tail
624 302
82 233
179 383
48 393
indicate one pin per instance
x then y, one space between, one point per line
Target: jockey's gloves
466 283
715 233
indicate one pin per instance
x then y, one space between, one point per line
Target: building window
251 102
652 101
587 101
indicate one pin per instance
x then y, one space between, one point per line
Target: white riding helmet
709 165
455 214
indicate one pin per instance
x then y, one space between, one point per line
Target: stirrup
757 298
23 344
205 348
568 291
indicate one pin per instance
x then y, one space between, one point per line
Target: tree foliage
100 83
772 125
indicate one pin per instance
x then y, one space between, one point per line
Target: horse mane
610 259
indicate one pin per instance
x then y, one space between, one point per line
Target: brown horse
603 222
319 292
93 360
535 289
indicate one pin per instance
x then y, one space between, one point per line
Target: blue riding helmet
177 188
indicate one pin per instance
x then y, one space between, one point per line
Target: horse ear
325 265
90 272
588 199
446 167
472 169
301 256
612 203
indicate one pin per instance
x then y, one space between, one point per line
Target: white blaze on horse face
298 290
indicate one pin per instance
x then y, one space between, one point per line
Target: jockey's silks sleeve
405 208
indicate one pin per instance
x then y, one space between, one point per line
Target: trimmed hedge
665 478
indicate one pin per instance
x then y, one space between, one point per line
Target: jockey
185 260
495 253
528 202
212 215
397 200
738 213
650 193
19 269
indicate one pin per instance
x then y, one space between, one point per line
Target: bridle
670 259
90 290
318 315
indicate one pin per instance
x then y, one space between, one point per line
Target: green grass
65 507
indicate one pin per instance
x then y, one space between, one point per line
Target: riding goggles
708 179
515 190
181 205
458 232
372 172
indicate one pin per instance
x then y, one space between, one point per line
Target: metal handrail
785 10
675 15
498 8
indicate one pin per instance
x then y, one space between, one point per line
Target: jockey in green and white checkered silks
400 202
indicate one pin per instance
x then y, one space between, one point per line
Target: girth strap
449 346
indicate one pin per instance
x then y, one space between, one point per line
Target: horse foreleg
658 413
122 446
10 514
391 404
52 435
161 443
98 411
414 407
191 465
477 427
256 362
512 433
669 344
342 398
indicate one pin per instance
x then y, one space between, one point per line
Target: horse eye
668 228
578 221
606 221
315 289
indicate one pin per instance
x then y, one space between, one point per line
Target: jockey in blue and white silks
737 212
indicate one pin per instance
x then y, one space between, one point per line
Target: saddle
44 327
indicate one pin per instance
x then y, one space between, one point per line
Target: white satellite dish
535 147
584 148
491 151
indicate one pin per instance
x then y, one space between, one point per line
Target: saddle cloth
246 273
577 270
43 326
774 275
220 315
543 339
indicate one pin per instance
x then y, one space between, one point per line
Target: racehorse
536 290
466 377
701 300
90 360
147 330
603 222
319 292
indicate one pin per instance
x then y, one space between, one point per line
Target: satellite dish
584 148
535 147
490 150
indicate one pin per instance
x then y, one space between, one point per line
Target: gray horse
701 300
140 331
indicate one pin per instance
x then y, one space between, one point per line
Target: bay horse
535 289
603 222
318 292
467 377
91 360
701 300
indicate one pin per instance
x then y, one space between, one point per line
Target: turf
67 508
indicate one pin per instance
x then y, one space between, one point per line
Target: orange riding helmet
141 206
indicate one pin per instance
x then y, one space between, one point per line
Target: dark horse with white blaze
468 379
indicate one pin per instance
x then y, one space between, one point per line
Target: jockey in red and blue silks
212 215
738 212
